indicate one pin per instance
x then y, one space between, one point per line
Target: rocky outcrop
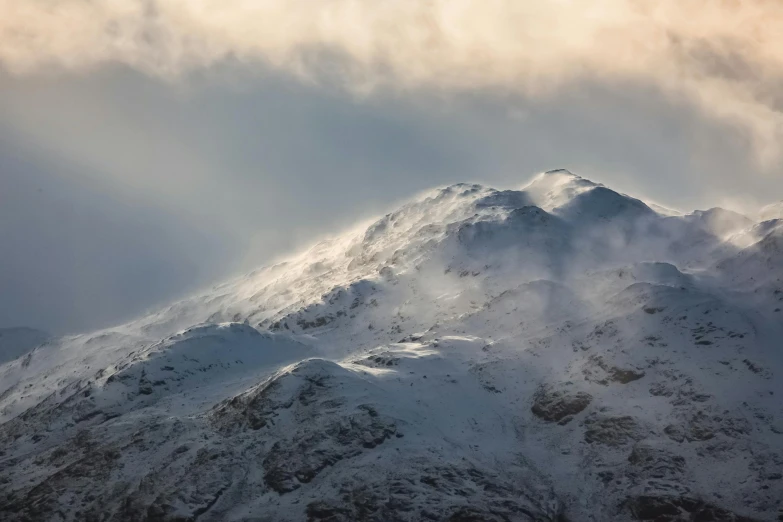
449 493
680 509
598 370
612 431
559 405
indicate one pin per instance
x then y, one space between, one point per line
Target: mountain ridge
559 352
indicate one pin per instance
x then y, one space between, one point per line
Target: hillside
558 352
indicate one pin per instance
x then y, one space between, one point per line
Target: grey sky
120 191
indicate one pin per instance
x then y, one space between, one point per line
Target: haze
149 149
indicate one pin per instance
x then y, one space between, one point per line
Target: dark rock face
612 431
701 426
95 486
447 493
680 509
381 360
291 463
600 371
309 428
297 456
556 405
654 462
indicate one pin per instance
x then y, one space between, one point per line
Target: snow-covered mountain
560 352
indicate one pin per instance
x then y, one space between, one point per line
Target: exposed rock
599 371
652 462
676 509
555 405
298 460
449 493
612 431
701 426
380 360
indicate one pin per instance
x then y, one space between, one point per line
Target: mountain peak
633 339
561 177
555 188
557 172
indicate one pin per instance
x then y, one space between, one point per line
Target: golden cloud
724 55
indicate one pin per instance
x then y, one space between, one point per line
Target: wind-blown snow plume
727 57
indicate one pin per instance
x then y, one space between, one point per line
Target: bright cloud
724 55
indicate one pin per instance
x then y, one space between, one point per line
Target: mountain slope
560 352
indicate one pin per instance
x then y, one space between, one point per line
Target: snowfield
561 352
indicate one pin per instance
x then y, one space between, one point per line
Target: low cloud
725 56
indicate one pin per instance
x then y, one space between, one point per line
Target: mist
149 153
724 57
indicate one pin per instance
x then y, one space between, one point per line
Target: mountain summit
558 352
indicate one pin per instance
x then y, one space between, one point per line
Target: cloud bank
724 55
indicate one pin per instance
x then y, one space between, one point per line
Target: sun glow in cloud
724 55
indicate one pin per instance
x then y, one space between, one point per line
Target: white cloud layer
724 55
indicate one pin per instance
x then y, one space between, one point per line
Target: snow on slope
560 352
